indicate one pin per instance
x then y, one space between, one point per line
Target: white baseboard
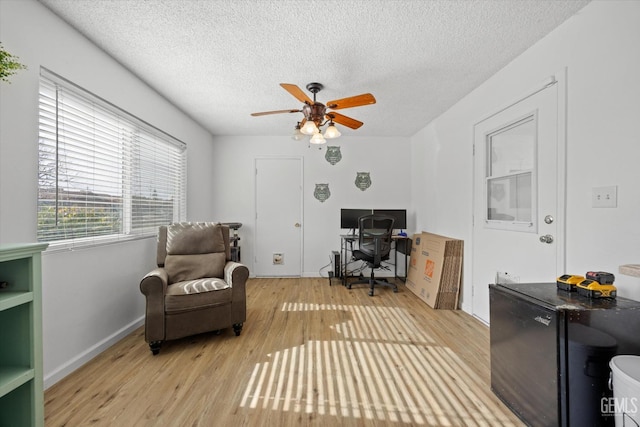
75 363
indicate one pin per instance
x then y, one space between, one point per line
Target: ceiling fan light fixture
316 115
317 138
332 132
309 128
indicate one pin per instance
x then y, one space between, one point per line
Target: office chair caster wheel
371 293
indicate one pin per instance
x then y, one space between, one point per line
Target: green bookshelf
21 377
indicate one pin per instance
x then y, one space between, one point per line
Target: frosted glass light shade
297 134
317 138
309 128
332 132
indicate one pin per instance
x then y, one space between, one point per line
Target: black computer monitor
349 217
399 216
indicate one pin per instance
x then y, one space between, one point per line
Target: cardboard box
435 269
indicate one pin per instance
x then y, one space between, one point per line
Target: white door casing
519 192
278 183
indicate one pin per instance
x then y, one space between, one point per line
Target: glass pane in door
510 198
510 177
511 149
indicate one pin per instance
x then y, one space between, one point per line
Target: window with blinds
104 175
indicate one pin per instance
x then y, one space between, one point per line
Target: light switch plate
605 197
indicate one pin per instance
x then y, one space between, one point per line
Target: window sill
89 243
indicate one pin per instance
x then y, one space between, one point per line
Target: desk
400 244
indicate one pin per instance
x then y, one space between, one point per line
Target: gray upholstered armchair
196 287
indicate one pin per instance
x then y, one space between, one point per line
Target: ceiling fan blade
352 101
297 93
264 113
344 120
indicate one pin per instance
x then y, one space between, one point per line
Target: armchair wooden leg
154 346
237 328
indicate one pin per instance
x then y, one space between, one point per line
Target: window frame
513 225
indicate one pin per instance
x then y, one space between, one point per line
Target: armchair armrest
154 286
236 274
156 281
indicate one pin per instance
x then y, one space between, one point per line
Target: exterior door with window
516 187
278 217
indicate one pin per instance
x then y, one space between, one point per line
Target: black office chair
374 246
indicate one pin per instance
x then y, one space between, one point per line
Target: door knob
297 225
547 238
548 219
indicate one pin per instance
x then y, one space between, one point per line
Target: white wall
385 158
91 296
599 47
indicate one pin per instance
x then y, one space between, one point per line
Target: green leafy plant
9 64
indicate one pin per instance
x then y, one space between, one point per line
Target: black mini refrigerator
550 351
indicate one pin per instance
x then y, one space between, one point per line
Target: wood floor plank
309 354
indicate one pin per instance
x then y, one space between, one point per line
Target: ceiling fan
317 114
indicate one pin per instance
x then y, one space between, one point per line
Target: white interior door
517 226
278 217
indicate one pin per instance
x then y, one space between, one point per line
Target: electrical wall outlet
278 258
605 197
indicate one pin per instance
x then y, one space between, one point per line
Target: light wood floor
309 354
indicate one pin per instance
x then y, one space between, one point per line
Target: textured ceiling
220 60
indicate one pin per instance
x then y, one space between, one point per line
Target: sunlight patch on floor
382 368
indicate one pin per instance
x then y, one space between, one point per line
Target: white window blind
104 175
